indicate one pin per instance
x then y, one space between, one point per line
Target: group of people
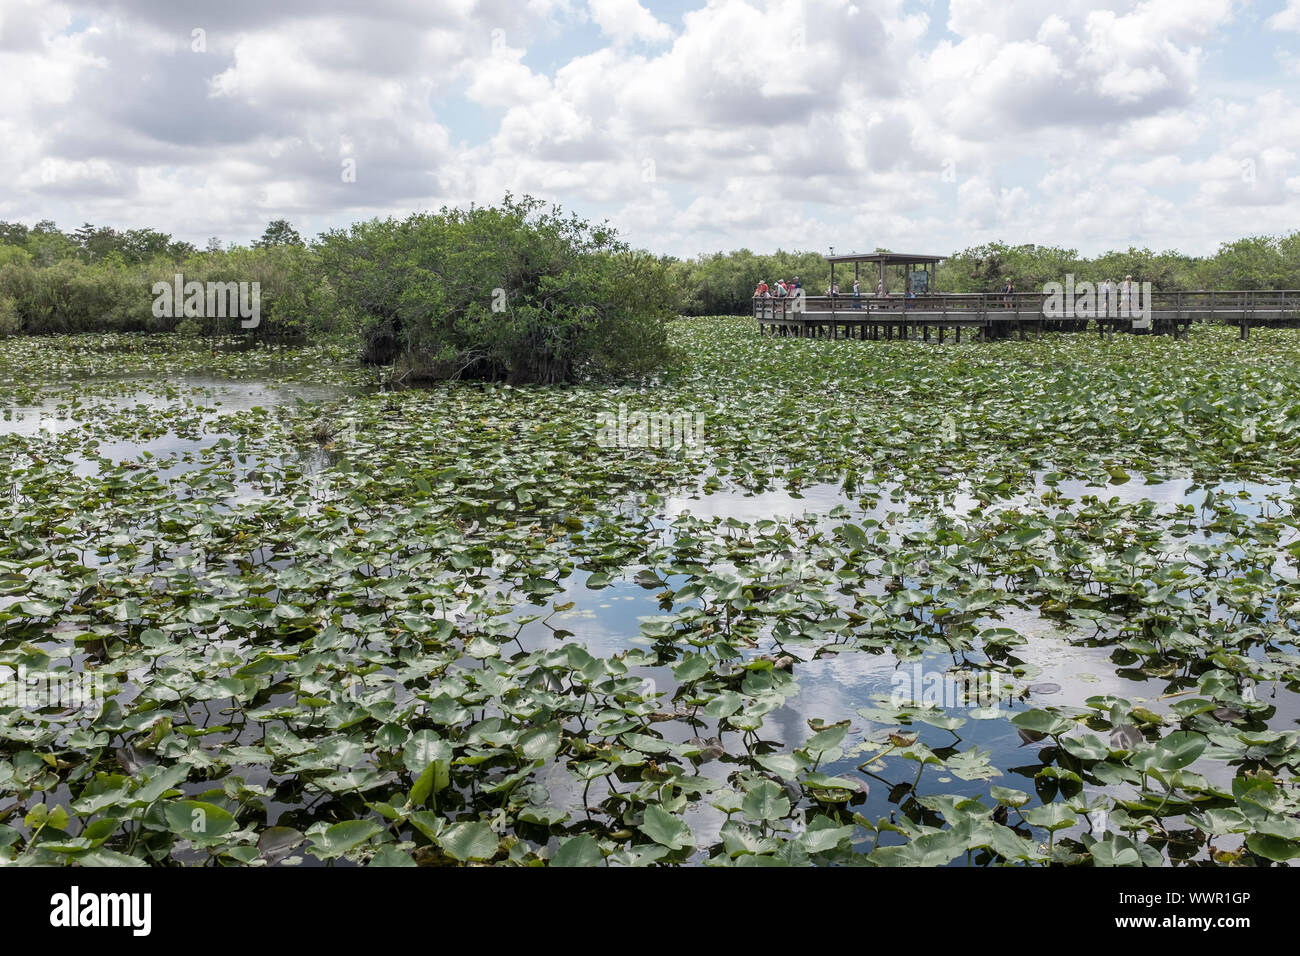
881 293
779 290
1106 292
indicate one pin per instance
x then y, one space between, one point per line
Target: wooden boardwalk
998 315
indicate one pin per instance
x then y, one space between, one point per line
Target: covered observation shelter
994 315
918 271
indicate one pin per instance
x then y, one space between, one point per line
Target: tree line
99 279
724 283
517 291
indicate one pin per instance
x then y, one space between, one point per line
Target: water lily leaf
1009 797
1273 848
339 838
469 841
691 668
1086 747
581 850
1179 749
434 779
822 835
827 740
42 816
928 849
422 748
388 856
666 829
1051 816
787 766
540 743
643 855
739 839
276 843
1115 851
203 824
765 801
1042 722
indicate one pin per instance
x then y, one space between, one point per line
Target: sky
692 127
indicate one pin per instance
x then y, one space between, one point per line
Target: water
196 418
1055 666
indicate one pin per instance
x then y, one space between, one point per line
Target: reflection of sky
170 454
775 504
832 688
820 499
63 410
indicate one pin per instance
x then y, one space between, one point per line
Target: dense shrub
517 292
9 321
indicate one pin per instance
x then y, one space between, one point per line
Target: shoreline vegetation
517 292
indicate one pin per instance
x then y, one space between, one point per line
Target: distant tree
13 233
1257 262
279 232
48 245
179 249
144 245
1289 272
94 242
214 244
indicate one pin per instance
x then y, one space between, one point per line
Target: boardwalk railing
999 315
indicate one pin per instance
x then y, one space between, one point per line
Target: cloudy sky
692 126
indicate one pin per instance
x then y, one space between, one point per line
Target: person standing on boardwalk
1105 298
1007 293
1126 296
857 295
880 287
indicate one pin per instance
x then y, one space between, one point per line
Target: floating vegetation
1009 602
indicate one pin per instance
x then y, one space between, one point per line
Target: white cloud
1287 18
748 122
627 20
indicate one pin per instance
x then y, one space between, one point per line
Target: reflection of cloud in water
170 454
819 500
832 688
62 411
750 506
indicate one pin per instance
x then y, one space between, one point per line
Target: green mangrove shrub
518 292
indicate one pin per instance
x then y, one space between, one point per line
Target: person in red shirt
761 291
